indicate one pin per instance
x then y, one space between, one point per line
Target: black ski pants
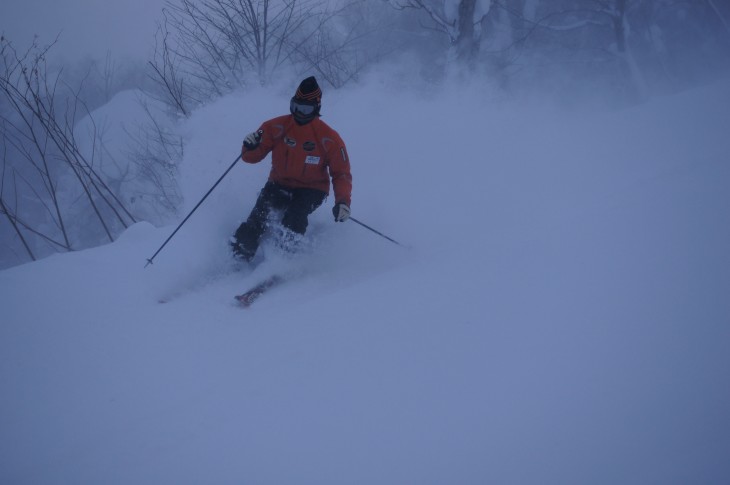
295 204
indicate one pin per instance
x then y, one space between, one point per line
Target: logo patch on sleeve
310 160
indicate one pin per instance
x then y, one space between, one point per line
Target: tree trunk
467 45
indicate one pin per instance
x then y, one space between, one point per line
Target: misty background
73 179
557 169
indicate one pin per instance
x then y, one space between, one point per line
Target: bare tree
155 150
166 74
617 14
43 161
205 49
107 73
9 214
344 42
462 24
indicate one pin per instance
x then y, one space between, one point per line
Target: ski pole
376 232
149 260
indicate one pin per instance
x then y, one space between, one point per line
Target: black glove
341 212
252 140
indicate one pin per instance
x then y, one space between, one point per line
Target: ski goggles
304 108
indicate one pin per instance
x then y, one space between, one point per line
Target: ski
246 299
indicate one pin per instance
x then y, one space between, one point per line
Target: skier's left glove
341 212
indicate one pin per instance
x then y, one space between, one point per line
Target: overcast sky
87 27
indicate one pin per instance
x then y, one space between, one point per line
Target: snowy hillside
561 317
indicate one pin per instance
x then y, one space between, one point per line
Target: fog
569 54
84 28
560 315
560 318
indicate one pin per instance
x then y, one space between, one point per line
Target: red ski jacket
304 156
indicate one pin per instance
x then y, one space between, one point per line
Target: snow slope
562 316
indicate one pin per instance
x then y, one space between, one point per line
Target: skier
306 153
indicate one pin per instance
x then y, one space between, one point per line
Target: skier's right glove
252 140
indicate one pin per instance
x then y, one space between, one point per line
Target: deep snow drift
562 316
